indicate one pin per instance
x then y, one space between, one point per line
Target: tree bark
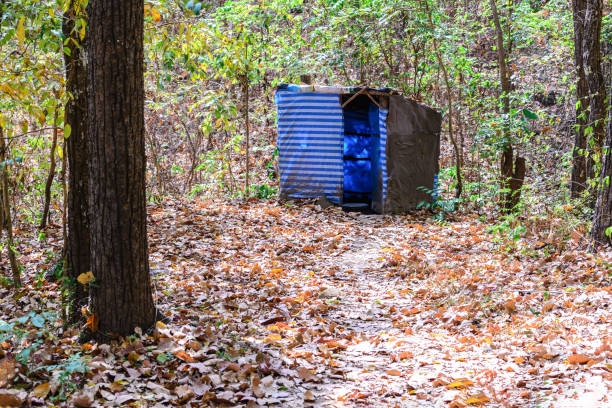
121 296
76 246
594 75
590 92
513 169
602 217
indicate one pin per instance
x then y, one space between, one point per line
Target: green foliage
65 373
28 336
265 191
509 228
439 206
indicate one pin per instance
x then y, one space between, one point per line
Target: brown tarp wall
413 150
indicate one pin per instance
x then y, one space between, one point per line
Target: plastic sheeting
310 144
412 152
323 149
360 153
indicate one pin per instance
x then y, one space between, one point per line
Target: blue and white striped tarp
310 144
382 124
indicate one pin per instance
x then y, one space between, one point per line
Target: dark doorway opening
361 152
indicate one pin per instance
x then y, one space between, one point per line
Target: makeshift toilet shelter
359 147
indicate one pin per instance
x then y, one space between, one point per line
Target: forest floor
290 305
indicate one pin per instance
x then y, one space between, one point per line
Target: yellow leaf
21 30
41 391
85 278
460 383
155 14
60 151
160 325
273 338
82 32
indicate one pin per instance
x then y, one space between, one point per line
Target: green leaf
23 356
162 358
38 321
529 114
67 131
22 319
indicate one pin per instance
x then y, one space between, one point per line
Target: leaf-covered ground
286 305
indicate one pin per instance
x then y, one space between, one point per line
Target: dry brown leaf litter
287 306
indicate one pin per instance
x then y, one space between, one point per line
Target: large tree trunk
121 296
513 169
77 243
590 91
594 75
602 217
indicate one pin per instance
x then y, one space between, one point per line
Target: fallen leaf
116 387
510 306
309 396
93 323
477 399
185 357
85 278
83 399
578 359
7 371
548 307
12 398
41 390
394 372
307 375
460 383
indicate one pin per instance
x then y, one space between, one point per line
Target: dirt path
424 315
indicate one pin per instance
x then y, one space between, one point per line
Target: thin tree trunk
121 297
6 209
51 176
64 229
513 169
449 96
77 240
245 87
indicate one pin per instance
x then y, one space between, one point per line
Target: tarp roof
334 89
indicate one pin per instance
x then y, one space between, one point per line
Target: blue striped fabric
382 123
310 143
